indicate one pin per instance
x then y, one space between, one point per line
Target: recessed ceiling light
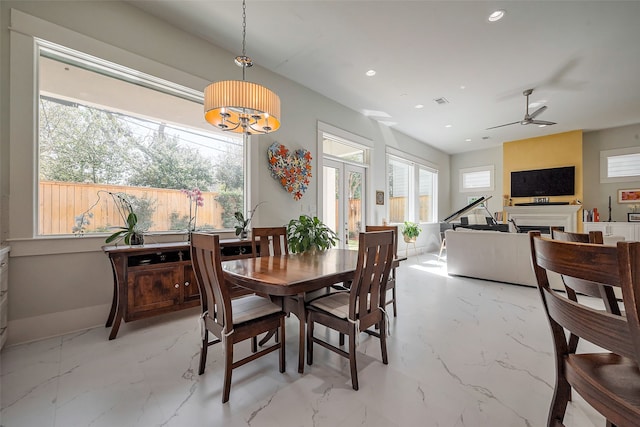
371 73
448 126
463 87
419 106
496 15
468 139
542 126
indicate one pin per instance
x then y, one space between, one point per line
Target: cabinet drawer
153 288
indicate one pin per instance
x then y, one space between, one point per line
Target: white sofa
492 255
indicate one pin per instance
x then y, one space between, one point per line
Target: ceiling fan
529 119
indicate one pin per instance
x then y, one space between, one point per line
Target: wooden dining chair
269 240
230 321
609 380
391 285
573 285
359 308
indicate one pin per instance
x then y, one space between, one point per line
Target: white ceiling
581 57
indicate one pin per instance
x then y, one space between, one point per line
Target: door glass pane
398 190
331 201
355 209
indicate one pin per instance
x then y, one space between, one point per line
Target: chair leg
228 367
280 333
203 353
341 339
395 308
352 358
254 344
561 397
309 338
383 341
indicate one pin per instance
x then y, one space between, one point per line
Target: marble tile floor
463 352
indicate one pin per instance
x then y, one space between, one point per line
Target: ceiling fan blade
541 122
507 124
537 112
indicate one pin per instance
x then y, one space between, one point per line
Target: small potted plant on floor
410 231
307 234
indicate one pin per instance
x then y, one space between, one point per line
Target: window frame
415 164
24 31
604 165
98 71
463 171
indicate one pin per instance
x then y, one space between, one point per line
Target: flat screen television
544 182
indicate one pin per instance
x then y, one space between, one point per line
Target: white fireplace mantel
545 216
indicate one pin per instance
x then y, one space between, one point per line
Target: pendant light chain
244 27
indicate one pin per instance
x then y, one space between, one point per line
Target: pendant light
238 105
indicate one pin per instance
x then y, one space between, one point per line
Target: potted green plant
410 231
242 225
131 233
309 234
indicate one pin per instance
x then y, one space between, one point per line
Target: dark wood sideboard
157 278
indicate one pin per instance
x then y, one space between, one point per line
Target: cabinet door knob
176 286
187 283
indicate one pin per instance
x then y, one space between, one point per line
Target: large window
412 190
106 130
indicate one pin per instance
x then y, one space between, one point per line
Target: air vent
441 100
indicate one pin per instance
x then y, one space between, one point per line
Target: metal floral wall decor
291 169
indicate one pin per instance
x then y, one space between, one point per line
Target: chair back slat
394 228
606 265
598 327
367 293
214 291
272 241
566 236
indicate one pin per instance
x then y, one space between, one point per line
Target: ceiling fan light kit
529 118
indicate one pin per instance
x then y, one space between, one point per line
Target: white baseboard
55 324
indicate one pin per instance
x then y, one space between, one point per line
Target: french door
344 200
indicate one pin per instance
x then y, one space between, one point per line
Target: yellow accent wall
561 149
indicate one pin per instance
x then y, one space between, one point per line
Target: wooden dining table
290 278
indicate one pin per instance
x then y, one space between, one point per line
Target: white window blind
476 179
620 165
625 165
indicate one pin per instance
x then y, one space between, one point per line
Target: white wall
62 284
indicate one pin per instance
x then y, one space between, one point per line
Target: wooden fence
60 202
397 205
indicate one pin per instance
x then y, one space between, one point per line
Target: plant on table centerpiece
242 225
309 234
410 231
